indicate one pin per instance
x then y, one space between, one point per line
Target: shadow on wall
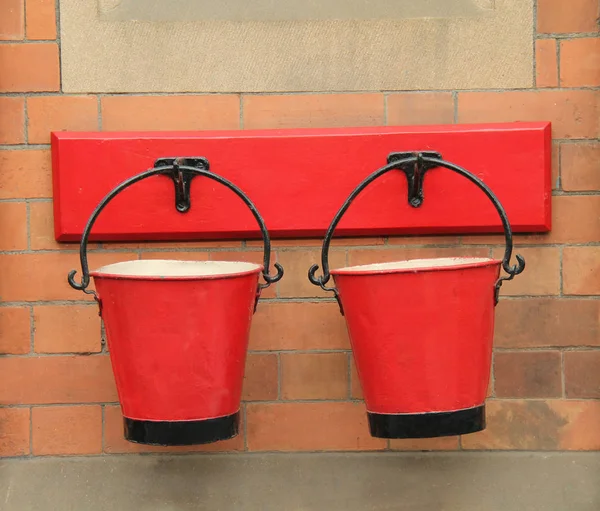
273 10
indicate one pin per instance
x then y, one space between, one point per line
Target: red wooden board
298 179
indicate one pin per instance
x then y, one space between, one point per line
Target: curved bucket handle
181 173
415 165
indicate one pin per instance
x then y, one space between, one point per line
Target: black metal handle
415 165
180 174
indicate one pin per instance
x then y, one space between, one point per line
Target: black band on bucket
170 433
427 425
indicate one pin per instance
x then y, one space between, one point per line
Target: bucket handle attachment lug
181 171
415 165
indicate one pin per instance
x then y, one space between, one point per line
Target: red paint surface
298 179
178 346
422 340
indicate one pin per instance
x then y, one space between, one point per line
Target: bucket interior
412 265
167 268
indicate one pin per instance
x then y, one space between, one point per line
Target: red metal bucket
421 333
178 332
421 330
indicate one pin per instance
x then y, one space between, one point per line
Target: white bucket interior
416 264
173 268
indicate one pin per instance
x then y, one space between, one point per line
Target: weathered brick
573 113
129 113
407 109
73 430
309 427
29 67
60 113
582 374
580 62
314 376
546 63
55 380
547 322
558 16
313 110
528 374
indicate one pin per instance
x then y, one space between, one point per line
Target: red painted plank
298 179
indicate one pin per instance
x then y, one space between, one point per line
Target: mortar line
562 375
241 125
279 375
99 111
31 331
385 109
558 62
455 105
349 362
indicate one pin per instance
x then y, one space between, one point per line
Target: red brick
14 431
60 113
553 425
556 165
11 23
580 167
581 270
53 380
541 275
15 330
164 113
580 62
180 256
25 174
66 430
43 276
412 241
313 110
13 225
41 229
567 227
12 120
528 374
448 443
573 113
298 326
420 108
547 322
67 329
309 427
115 443
29 67
318 242
582 374
558 16
546 63
41 19
261 378
384 255
296 264
314 376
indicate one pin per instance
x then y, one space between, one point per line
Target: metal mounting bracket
415 172
182 178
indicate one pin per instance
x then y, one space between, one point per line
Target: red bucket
421 334
178 332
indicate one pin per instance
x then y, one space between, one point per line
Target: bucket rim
108 271
417 266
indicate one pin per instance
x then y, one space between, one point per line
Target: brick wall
57 396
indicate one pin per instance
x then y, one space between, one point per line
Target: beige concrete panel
243 10
491 48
